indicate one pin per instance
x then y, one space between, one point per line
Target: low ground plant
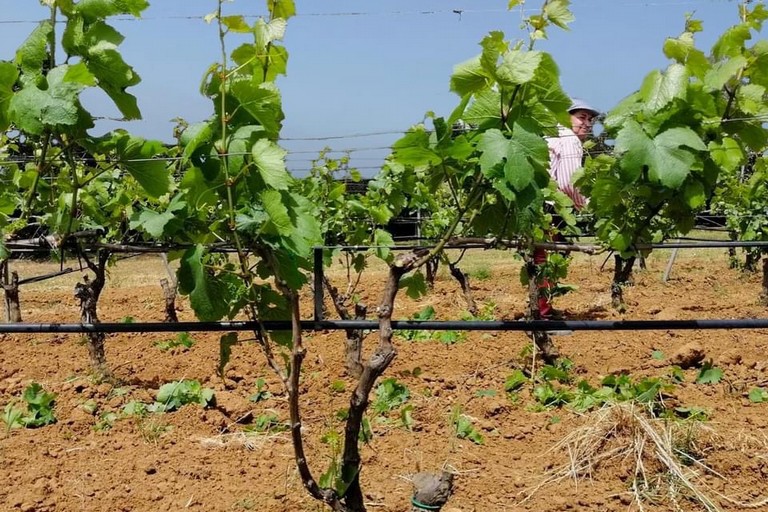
446 337
182 340
463 426
36 409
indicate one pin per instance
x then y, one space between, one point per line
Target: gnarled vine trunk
169 293
622 275
354 339
10 285
431 271
88 293
463 280
170 287
764 290
541 339
381 358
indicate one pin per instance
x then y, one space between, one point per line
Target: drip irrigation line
424 325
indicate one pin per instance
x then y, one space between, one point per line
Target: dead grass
241 440
660 460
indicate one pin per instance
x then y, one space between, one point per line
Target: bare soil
206 460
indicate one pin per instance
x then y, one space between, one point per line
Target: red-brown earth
206 460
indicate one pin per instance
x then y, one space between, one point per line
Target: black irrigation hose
428 325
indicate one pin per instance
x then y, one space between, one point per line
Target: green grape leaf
413 148
267 33
666 156
205 290
519 156
79 74
108 66
750 99
683 50
93 10
485 109
415 285
8 75
659 89
32 55
156 223
694 194
199 193
251 221
33 109
137 156
493 47
731 42
153 223
728 154
469 77
196 135
722 72
494 147
288 269
270 161
262 102
277 212
383 240
558 13
306 227
282 8
518 67
236 24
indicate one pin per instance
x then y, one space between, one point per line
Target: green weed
390 394
261 391
39 409
463 427
182 340
173 395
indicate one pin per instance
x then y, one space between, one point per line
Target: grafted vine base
169 293
88 293
466 291
622 276
10 286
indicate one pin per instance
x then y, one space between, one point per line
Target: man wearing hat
565 158
566 151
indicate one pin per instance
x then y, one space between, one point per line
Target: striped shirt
565 156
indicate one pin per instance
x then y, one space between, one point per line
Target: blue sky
360 68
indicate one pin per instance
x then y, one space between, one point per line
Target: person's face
581 123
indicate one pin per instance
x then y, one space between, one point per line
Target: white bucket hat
579 104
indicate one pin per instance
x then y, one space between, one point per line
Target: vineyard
243 341
237 455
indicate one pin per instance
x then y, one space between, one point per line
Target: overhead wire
355 14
